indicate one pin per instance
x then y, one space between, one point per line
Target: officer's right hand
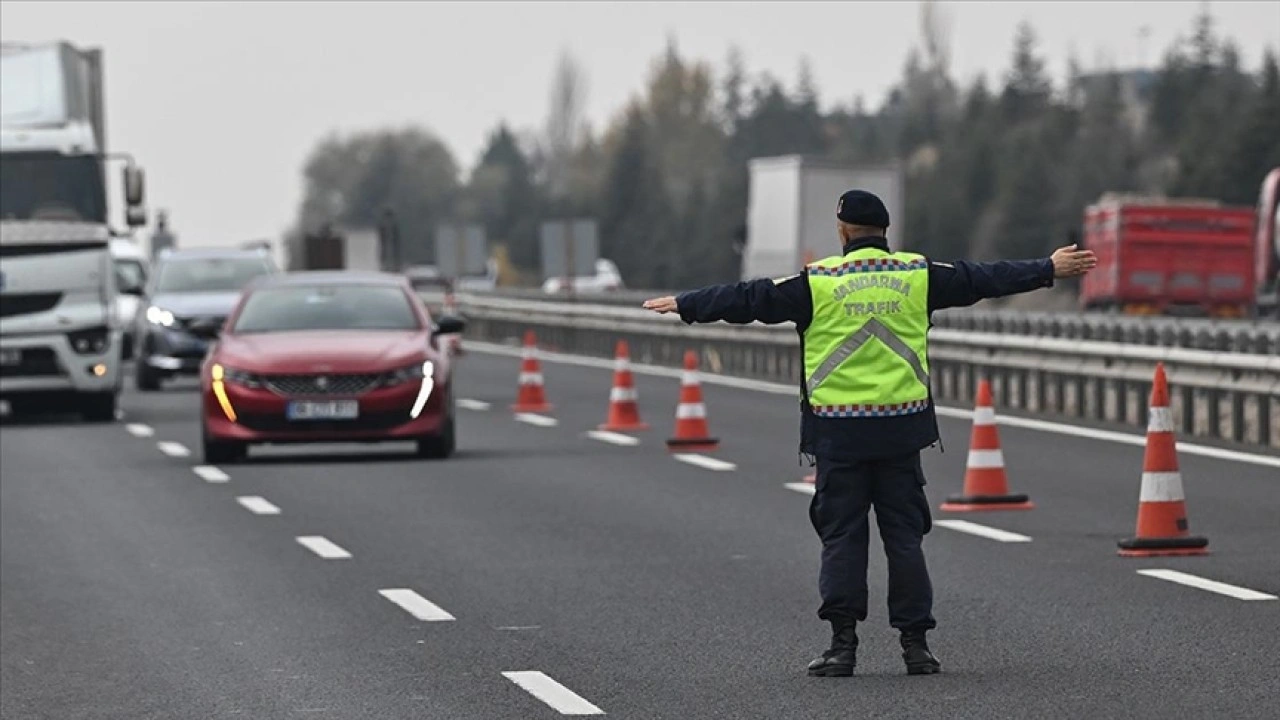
1070 262
662 305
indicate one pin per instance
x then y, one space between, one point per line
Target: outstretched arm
766 301
961 283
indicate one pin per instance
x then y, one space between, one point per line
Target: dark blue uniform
867 461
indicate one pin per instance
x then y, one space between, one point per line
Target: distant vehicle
1164 256
187 301
332 248
606 279
60 346
437 291
328 357
131 283
1266 243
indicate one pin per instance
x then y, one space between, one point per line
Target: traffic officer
866 406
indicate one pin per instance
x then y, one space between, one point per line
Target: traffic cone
1162 508
530 398
624 413
691 414
986 487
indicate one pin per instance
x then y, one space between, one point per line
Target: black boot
915 653
840 659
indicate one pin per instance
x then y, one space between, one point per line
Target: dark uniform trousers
844 494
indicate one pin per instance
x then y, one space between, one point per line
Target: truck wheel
98 407
144 377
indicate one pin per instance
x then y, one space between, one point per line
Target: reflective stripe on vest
865 352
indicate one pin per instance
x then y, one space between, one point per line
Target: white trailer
791 210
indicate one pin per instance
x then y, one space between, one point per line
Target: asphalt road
617 578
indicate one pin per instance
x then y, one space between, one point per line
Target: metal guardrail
1261 337
1221 395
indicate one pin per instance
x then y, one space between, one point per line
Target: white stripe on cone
621 364
1160 419
1161 487
528 378
620 394
689 411
981 459
688 377
984 416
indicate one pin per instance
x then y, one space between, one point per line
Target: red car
328 356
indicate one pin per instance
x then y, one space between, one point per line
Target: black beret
859 207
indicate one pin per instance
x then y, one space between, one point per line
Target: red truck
1267 247
1165 256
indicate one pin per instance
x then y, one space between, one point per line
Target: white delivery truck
60 338
791 210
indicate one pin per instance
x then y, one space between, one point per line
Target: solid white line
139 430
1234 591
612 437
703 461
209 473
559 697
802 488
257 505
944 411
173 449
469 404
990 533
416 605
539 420
323 547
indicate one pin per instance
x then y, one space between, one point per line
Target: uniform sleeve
764 300
961 283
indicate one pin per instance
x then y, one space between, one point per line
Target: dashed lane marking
560 698
469 404
535 419
323 547
990 533
703 461
173 449
802 488
258 505
613 438
1213 586
416 605
209 473
139 430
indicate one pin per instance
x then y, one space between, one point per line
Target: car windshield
212 274
326 307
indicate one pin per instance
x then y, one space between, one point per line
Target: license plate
324 410
10 357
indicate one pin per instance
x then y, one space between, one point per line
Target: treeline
993 169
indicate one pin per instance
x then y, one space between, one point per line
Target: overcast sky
221 102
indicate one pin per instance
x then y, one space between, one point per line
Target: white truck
60 338
791 210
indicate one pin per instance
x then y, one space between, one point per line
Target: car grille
320 384
28 303
36 362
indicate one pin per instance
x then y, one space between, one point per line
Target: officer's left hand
662 305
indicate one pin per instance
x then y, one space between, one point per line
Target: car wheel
144 377
223 452
441 445
98 407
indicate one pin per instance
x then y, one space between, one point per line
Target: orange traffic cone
1162 508
986 487
691 414
624 413
530 398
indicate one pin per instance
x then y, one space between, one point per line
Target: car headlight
405 374
90 342
159 316
240 377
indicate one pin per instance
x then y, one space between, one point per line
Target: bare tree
564 122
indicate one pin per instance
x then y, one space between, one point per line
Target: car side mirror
134 190
136 290
449 325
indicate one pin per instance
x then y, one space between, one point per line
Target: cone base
545 407
687 444
980 503
623 427
1156 547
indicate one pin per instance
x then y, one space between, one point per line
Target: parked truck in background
330 248
60 339
791 210
1266 239
1169 256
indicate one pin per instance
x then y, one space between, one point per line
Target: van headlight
90 342
159 316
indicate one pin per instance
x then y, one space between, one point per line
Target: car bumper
49 365
384 414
